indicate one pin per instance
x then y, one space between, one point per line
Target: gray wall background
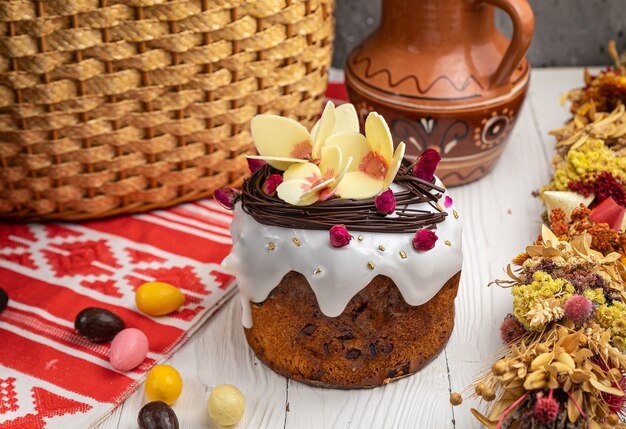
567 33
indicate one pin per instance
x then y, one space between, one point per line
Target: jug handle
523 20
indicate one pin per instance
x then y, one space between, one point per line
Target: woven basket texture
120 106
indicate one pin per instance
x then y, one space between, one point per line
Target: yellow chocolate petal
307 171
358 185
331 162
394 165
278 159
378 135
281 137
346 119
290 191
324 129
342 173
352 145
315 190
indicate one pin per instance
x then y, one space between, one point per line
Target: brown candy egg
157 415
98 324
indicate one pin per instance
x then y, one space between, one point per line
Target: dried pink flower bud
226 197
546 409
447 202
271 183
426 165
578 309
339 236
385 202
511 329
255 164
424 240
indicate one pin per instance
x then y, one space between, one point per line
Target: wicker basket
119 106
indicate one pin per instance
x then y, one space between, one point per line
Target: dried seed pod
456 398
480 388
500 367
489 394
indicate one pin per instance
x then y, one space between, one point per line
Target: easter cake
347 256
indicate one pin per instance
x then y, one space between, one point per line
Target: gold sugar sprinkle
370 265
439 207
402 254
296 242
360 238
317 270
448 243
271 245
456 215
381 248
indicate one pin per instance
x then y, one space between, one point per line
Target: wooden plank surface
499 217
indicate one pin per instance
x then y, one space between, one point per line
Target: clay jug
444 77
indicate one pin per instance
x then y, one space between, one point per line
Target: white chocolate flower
282 142
374 164
304 184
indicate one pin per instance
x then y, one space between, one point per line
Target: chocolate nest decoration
358 215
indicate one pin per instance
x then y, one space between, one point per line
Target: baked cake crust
378 338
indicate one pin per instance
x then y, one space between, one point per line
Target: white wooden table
500 217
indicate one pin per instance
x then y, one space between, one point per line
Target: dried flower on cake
339 236
385 202
426 164
424 240
255 164
226 197
271 183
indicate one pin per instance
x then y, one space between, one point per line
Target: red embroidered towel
50 377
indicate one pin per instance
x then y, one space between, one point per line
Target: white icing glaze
337 275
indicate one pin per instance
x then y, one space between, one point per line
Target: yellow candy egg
226 404
158 298
163 384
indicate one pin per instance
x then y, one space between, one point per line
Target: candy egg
158 298
157 415
128 349
4 300
163 384
98 324
226 404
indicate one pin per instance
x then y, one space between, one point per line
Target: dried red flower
546 408
617 404
339 236
271 183
424 240
255 164
511 329
385 202
226 197
426 165
578 309
604 185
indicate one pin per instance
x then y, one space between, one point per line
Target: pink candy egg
128 349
